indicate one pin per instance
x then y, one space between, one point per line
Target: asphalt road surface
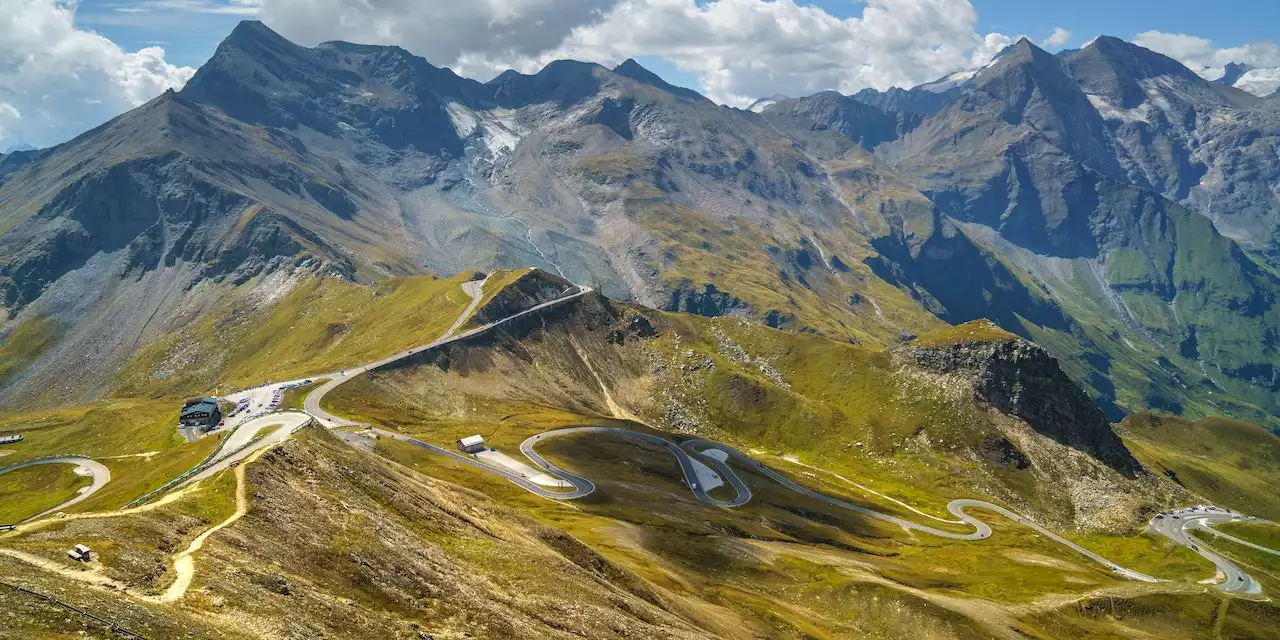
290 422
743 494
1175 526
99 472
581 486
474 289
584 487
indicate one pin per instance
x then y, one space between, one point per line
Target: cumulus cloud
738 49
1200 55
1060 37
443 31
216 7
991 46
57 79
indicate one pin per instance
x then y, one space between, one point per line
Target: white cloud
217 7
9 117
1059 38
992 45
63 79
738 49
1201 56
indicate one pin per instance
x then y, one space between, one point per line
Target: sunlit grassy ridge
1232 463
975 331
320 325
25 344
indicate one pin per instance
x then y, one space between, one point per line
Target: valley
824 525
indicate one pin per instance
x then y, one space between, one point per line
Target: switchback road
475 290
99 472
584 487
1175 525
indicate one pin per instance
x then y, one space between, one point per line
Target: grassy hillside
401 538
32 490
26 343
859 412
1230 463
137 440
319 325
854 422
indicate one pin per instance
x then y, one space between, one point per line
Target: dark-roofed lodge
201 412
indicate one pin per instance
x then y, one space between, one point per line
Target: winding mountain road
681 452
475 289
1175 525
99 472
240 444
689 455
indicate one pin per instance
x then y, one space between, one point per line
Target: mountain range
1107 203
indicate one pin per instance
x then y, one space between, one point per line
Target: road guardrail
54 456
204 464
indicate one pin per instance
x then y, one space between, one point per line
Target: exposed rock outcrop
1020 378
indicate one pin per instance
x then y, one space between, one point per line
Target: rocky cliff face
527 291
1020 378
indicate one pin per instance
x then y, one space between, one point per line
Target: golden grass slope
1230 463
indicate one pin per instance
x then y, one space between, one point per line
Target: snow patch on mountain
947 83
764 103
1108 111
1259 82
496 129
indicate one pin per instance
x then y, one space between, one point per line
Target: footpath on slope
183 563
184 566
250 450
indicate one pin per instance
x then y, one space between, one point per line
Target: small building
11 438
80 553
471 444
201 412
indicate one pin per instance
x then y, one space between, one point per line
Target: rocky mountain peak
564 82
1133 61
1122 72
1026 58
254 33
1020 378
633 70
1233 72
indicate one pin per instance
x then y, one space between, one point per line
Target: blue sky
1243 22
67 66
189 38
